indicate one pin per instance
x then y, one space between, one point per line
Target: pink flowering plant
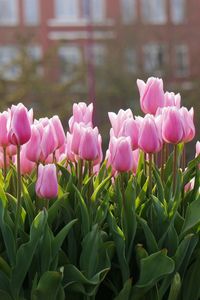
77 223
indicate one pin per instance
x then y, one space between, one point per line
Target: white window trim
70 20
12 23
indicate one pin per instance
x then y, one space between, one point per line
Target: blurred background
56 52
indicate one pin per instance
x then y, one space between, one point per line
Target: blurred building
158 36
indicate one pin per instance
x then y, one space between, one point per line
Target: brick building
163 34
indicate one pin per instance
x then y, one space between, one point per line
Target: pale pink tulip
131 128
26 166
59 131
172 125
117 120
150 139
33 147
172 99
81 114
197 148
188 124
4 121
151 95
89 144
47 183
48 142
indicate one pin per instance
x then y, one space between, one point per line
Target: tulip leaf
100 188
125 293
48 286
28 203
26 251
175 287
150 239
192 217
5 296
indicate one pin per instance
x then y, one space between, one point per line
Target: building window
94 10
66 10
182 60
178 10
8 66
128 9
154 11
31 12
99 54
8 12
154 58
130 60
70 59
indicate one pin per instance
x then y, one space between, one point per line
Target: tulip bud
151 95
131 128
117 120
81 114
59 131
33 147
68 148
188 124
172 125
150 139
26 166
121 154
48 142
20 129
4 120
47 184
89 144
172 99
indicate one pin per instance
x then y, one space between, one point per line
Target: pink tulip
121 156
2 159
4 120
20 129
68 148
190 185
172 99
117 120
48 142
59 131
197 148
33 147
150 139
151 95
136 156
81 114
188 124
131 128
172 125
26 166
76 137
89 144
47 183
11 150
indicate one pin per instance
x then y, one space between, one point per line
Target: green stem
122 190
150 172
80 172
175 167
4 163
18 211
183 157
162 161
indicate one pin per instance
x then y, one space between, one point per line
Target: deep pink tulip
151 95
81 114
47 183
26 166
150 139
172 99
20 129
188 124
33 147
172 125
117 120
131 128
59 131
4 121
89 144
121 154
48 142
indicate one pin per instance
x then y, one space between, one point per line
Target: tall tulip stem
183 157
175 167
4 162
150 172
18 211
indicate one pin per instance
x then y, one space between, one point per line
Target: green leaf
25 253
5 296
28 203
175 287
150 239
126 291
192 217
48 286
98 190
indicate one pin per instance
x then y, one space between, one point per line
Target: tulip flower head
81 114
172 99
117 120
151 95
47 183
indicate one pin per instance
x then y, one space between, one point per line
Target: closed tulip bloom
172 99
33 147
136 156
151 95
81 114
172 125
68 148
89 144
4 120
59 131
188 124
121 154
117 120
26 166
76 137
197 148
131 128
48 142
47 183
150 139
20 129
